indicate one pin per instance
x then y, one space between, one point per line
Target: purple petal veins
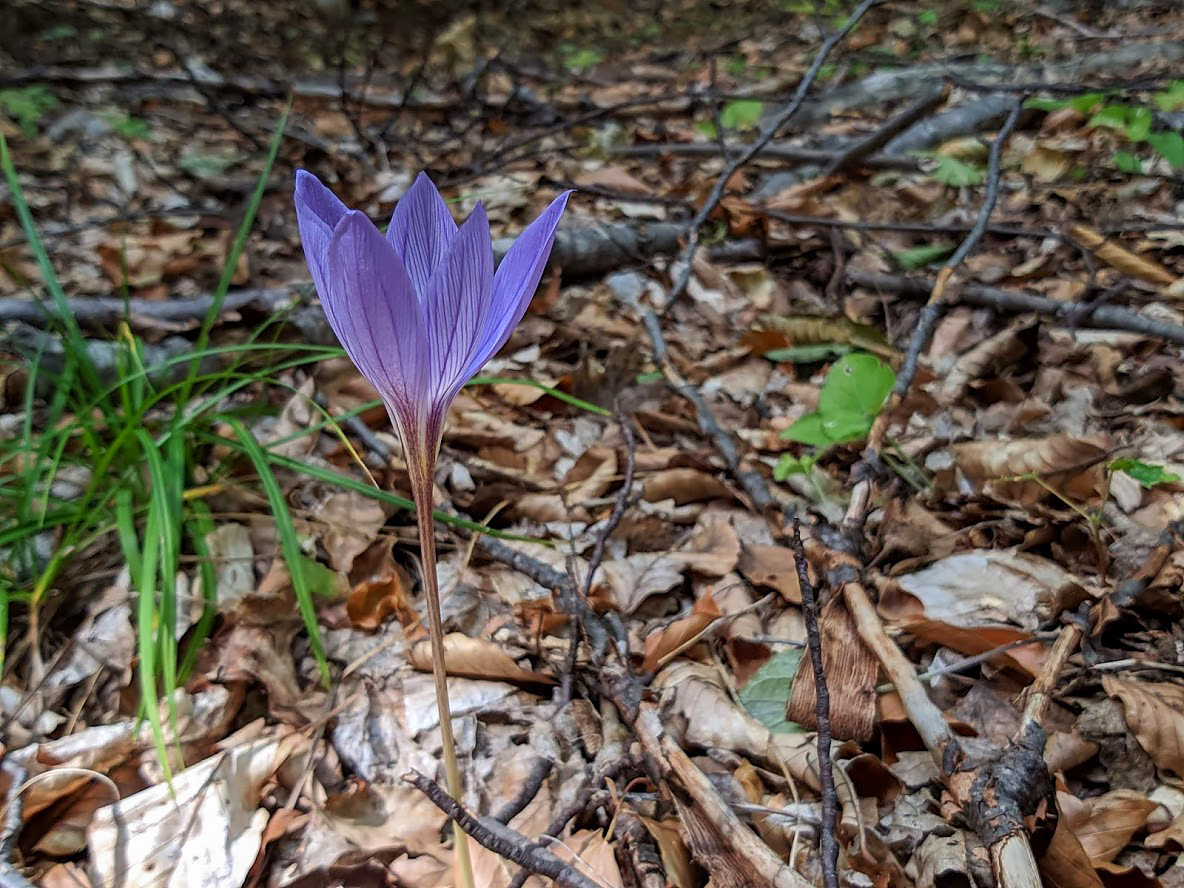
421 231
420 310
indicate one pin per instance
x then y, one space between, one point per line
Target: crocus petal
514 283
457 304
421 231
317 213
372 306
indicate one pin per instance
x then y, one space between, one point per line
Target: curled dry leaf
475 658
941 860
851 671
381 588
1105 824
613 178
1154 712
174 827
352 521
1121 258
589 479
771 567
990 357
684 485
1002 469
665 642
713 548
985 587
1064 863
694 700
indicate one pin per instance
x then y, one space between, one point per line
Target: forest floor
859 355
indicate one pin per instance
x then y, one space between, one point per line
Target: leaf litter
1024 484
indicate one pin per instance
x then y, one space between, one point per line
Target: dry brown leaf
475 658
664 642
713 548
626 582
380 588
1154 711
1121 258
1064 863
694 700
1025 660
351 523
772 567
942 860
613 178
680 868
989 587
684 485
1001 469
851 670
589 479
1171 837
1105 824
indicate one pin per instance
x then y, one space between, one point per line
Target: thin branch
826 776
857 151
934 309
782 117
502 840
1103 317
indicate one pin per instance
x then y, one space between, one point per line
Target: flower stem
422 494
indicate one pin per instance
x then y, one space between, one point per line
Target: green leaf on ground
926 254
1147 474
741 114
767 693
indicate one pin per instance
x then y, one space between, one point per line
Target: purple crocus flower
421 310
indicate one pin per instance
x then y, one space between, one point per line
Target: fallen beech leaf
684 485
173 827
1065 864
382 589
713 548
998 468
665 641
352 522
613 178
475 658
992 587
692 695
1154 711
680 868
1026 660
1105 824
771 567
1121 258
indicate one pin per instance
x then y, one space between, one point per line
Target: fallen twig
828 839
772 151
783 116
1105 317
934 308
502 840
859 150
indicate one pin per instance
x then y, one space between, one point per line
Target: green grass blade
199 526
553 392
289 542
165 502
143 568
